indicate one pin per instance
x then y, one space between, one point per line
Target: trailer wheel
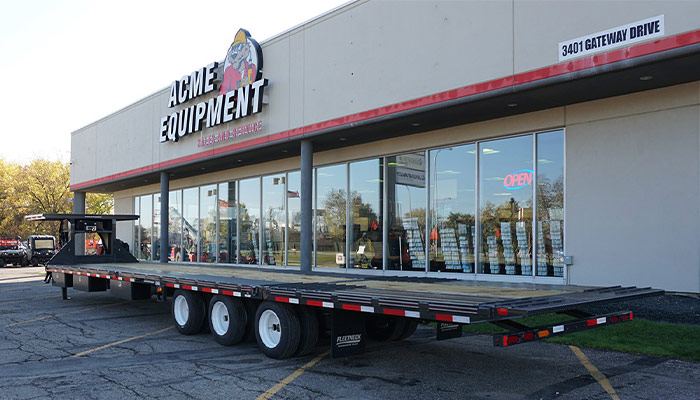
227 320
409 329
2 262
188 311
385 328
35 262
277 329
250 307
308 322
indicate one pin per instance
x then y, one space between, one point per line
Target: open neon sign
518 179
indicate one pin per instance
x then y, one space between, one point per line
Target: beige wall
371 54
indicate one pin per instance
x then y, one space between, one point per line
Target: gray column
79 208
307 236
164 211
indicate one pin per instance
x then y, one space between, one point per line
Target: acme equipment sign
240 92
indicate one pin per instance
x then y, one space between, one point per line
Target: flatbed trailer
285 311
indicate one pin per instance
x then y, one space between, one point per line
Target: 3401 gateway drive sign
240 92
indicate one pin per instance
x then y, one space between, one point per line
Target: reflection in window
135 246
249 214
505 205
406 182
366 187
207 223
156 226
227 223
175 225
330 216
550 203
190 222
146 226
294 213
274 216
452 201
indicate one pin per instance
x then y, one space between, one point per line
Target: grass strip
639 336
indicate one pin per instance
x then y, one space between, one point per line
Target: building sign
612 38
518 179
240 93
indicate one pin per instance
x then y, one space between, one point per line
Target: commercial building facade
518 141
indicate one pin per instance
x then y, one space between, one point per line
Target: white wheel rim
269 329
182 311
219 318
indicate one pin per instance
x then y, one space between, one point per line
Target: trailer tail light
529 336
591 322
502 311
513 339
614 319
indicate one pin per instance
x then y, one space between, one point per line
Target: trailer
286 311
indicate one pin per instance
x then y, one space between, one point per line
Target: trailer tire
250 308
227 320
408 330
308 322
2 262
385 328
35 262
188 311
277 329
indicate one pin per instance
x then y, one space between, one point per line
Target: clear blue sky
65 64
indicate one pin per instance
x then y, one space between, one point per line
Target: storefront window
406 183
175 225
453 208
207 223
249 214
505 204
330 216
228 248
550 204
146 226
293 225
274 218
366 188
190 222
135 245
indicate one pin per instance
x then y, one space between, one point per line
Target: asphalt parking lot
98 346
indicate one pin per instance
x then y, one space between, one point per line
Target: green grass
640 336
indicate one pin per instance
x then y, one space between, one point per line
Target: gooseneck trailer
286 311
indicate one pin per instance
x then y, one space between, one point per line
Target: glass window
550 203
453 208
366 188
249 214
146 226
406 182
156 226
330 216
135 246
207 223
294 214
505 204
175 225
274 218
190 223
228 248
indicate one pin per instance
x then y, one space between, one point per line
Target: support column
307 236
164 218
79 208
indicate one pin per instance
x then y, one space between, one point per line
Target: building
519 141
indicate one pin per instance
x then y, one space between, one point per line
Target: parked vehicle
40 249
12 251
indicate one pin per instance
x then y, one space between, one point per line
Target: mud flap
348 335
448 331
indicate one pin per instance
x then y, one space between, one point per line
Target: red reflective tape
206 290
314 303
584 63
227 292
631 317
187 287
502 311
443 317
391 311
282 299
170 284
591 322
505 341
351 307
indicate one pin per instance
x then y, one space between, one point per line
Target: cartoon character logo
243 64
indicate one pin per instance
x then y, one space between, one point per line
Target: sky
66 64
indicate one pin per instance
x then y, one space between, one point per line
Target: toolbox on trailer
286 310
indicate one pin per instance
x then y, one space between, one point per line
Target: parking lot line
595 373
286 381
65 313
106 346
